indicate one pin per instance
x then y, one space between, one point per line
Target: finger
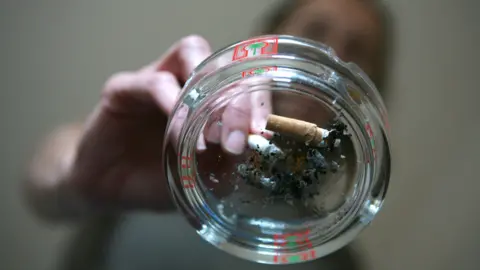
261 103
201 144
236 123
213 127
138 92
183 57
261 108
177 123
166 91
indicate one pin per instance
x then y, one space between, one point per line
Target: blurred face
351 27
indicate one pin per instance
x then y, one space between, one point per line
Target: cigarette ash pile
288 168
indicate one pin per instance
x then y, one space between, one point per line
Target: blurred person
113 163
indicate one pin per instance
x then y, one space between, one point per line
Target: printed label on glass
294 240
368 128
257 71
255 47
188 180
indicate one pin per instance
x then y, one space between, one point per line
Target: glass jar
314 170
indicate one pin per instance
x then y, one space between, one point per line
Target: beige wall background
56 55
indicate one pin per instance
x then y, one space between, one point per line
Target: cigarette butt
261 144
258 142
300 130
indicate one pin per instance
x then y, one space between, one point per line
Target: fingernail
201 144
236 142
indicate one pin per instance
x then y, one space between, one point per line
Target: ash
298 170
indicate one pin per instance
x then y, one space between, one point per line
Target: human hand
119 159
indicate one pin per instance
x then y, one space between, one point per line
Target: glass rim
351 72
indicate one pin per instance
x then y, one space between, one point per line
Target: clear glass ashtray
315 165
